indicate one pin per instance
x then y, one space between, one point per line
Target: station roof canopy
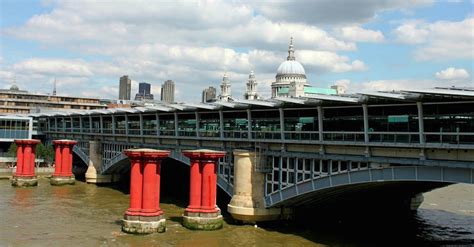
463 92
313 99
336 98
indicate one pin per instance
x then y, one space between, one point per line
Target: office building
167 91
125 88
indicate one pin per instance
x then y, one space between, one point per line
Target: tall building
225 89
125 88
144 91
167 91
209 94
251 92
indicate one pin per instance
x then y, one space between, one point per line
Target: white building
225 89
290 80
251 92
289 71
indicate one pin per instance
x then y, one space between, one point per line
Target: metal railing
344 136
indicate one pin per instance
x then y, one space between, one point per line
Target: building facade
144 91
15 101
209 94
290 80
167 91
251 92
225 89
290 71
125 88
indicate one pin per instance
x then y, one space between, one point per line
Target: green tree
45 152
12 150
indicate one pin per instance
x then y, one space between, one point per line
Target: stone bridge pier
63 163
93 174
25 164
247 203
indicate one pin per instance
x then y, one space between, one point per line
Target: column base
143 224
24 181
254 215
59 180
203 221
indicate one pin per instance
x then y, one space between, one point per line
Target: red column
195 180
150 188
158 186
57 159
145 186
207 160
136 183
63 157
26 160
26 157
19 160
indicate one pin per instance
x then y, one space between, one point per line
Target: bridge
294 151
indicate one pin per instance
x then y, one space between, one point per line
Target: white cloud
54 67
452 74
441 40
359 34
331 12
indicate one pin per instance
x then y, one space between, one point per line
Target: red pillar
63 157
57 159
25 166
145 182
194 184
136 183
26 157
207 160
19 160
150 188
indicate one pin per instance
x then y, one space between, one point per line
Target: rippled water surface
89 215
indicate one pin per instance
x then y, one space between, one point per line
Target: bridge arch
417 178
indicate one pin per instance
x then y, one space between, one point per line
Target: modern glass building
12 128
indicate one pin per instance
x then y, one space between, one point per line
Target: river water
89 215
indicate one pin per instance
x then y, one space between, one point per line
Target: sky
363 45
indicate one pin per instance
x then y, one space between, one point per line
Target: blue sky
364 45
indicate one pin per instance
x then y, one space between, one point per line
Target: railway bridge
288 152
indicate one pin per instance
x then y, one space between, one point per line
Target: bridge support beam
63 163
202 212
25 164
144 214
247 204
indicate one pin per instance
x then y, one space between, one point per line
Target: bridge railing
236 134
302 135
449 137
401 137
269 135
343 136
209 133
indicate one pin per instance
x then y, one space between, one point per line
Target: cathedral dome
290 67
14 88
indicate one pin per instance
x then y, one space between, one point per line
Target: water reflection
22 197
